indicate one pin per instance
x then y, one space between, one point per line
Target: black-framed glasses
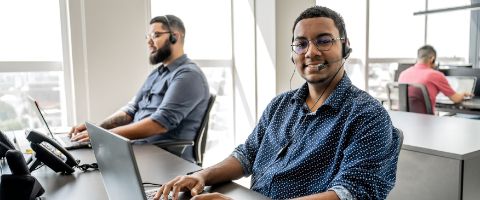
323 43
155 35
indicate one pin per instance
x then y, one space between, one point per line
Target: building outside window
30 63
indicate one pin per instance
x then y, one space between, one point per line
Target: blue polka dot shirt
348 145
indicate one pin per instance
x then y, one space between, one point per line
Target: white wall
109 59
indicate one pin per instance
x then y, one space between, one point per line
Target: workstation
89 185
440 157
88 59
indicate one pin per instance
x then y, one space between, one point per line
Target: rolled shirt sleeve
131 107
186 91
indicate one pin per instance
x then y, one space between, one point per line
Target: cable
87 167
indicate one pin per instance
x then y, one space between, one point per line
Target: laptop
61 138
459 84
117 165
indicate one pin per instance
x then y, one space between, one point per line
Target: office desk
471 106
440 157
155 165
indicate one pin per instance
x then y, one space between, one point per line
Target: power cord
87 167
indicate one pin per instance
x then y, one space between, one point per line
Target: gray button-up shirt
175 96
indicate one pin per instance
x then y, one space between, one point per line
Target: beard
161 54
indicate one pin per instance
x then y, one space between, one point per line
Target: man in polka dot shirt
325 140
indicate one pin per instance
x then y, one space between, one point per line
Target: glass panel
15 110
208 34
394 31
449 32
30 31
379 75
220 129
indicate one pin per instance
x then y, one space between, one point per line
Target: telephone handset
50 153
5 144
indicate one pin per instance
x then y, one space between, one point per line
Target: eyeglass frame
156 34
315 44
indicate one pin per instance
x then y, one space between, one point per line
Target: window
449 32
30 62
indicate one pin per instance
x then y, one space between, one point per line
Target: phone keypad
54 151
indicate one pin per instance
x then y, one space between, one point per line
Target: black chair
400 137
410 97
401 67
200 139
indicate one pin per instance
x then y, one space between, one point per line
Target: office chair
200 140
400 137
411 97
401 67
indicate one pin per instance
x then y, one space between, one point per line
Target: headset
346 50
172 37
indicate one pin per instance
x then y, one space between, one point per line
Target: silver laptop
61 138
117 165
459 84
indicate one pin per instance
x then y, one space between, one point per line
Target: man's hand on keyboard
79 133
193 183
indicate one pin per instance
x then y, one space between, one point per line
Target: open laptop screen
460 84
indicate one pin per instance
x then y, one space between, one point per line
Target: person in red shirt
424 72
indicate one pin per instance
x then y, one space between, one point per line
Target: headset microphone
326 64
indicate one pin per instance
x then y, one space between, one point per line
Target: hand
81 137
193 183
211 196
79 133
467 94
76 130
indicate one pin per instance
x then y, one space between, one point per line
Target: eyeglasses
155 35
323 43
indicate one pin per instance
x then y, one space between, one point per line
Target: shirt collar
175 64
336 98
421 65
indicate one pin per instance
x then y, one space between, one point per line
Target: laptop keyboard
151 193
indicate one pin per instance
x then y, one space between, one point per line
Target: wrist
203 175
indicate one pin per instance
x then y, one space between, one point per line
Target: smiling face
313 29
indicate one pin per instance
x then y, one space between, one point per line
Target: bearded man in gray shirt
172 101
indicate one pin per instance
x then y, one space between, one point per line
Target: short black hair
426 52
320 11
174 22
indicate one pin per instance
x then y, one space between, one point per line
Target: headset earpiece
346 50
172 38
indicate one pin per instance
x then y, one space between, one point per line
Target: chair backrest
400 138
201 137
401 67
412 97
